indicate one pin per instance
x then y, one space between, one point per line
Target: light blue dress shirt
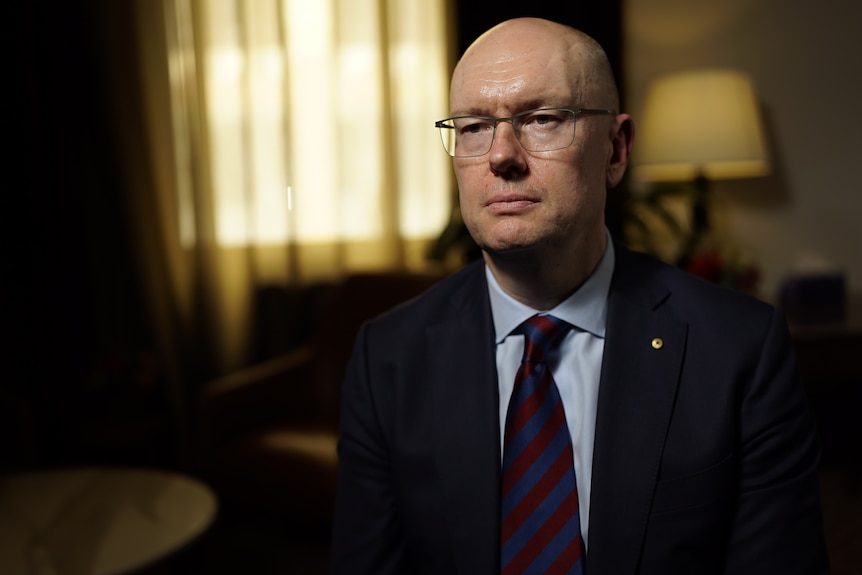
576 368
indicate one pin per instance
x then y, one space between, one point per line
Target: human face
513 200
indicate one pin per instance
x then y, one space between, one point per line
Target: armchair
267 433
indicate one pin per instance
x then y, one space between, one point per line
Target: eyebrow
534 104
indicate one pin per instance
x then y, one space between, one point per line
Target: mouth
510 203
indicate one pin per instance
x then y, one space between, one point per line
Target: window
309 122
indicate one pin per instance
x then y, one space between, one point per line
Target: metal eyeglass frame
575 111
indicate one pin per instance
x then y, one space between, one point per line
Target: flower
713 265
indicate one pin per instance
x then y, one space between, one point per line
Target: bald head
559 49
530 209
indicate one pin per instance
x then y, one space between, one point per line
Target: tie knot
542 333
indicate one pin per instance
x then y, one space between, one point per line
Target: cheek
587 174
466 175
582 191
468 198
472 183
463 189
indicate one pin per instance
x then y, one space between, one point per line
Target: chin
509 235
509 248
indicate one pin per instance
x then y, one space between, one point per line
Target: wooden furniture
829 354
831 349
98 521
268 433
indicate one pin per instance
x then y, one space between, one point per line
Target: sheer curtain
279 142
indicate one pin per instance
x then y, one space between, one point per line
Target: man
692 447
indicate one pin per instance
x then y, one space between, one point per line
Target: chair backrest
18 437
357 299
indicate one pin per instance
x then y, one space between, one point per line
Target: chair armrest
278 389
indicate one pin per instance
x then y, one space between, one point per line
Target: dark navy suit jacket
705 457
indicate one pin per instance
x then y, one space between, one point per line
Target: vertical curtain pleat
390 149
273 147
292 266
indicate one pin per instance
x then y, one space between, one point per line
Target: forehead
513 72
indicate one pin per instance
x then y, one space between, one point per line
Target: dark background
69 270
73 305
73 313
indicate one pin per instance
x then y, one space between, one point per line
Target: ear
622 138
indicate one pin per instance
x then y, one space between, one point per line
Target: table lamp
699 126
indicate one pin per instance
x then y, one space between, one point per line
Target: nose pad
510 135
507 156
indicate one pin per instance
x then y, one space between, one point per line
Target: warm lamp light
699 126
702 123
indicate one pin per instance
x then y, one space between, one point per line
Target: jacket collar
641 367
465 398
637 390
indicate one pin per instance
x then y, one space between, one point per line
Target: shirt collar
586 309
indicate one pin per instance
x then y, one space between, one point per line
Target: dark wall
75 303
73 312
599 18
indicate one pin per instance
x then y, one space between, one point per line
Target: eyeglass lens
536 130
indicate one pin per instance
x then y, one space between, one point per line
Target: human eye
544 119
468 126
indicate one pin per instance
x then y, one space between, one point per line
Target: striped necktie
540 530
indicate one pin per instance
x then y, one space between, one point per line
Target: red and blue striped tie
541 530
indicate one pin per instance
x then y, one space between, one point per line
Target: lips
506 203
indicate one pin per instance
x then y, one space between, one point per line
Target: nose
507 156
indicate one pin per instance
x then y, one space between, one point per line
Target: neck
543 279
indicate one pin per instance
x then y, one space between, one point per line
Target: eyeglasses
541 130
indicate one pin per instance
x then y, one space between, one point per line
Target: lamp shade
701 123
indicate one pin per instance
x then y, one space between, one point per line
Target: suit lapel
637 391
462 370
640 372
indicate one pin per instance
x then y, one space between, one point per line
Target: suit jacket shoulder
463 292
702 432
419 450
643 279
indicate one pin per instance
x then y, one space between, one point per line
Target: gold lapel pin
657 343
